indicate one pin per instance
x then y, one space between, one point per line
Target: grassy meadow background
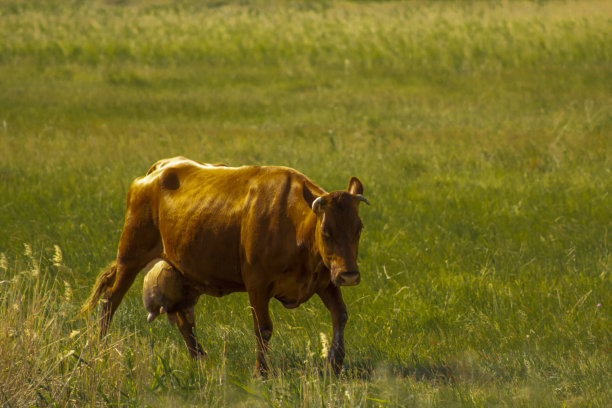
482 132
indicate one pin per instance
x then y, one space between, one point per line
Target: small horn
316 204
362 198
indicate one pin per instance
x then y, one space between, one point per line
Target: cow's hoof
335 362
198 353
261 370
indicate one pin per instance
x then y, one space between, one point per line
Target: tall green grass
481 132
413 36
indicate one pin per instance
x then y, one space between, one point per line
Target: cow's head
338 229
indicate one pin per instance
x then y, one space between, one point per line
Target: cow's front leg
332 298
263 329
185 320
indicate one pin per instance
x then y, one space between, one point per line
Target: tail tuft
105 281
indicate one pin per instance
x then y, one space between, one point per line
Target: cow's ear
308 195
355 187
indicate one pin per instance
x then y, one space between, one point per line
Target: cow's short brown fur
250 228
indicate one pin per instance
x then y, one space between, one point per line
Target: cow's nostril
349 278
350 274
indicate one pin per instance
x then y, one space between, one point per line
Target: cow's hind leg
140 243
186 323
126 271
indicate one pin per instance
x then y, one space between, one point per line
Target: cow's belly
215 272
209 260
217 287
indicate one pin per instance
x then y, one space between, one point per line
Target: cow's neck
309 239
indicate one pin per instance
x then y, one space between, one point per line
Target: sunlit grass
397 35
481 132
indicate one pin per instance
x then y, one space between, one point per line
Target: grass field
482 132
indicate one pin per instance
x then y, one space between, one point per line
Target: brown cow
269 231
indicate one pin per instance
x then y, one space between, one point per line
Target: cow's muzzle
350 278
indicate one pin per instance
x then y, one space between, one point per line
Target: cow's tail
105 281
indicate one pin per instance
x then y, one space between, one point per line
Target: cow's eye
325 231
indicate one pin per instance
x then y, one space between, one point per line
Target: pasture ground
482 132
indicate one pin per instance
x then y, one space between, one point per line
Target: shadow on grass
430 371
369 370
